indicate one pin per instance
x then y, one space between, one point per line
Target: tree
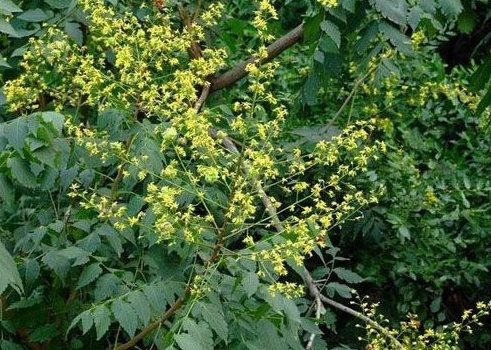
150 194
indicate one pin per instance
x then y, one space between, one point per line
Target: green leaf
79 256
35 15
268 336
35 144
125 315
7 193
414 17
3 63
54 118
342 289
24 303
338 13
59 264
310 88
7 345
310 326
16 133
332 31
250 283
467 21
391 67
74 322
87 320
6 27
141 305
57 226
112 236
465 202
90 243
395 10
291 311
450 8
84 225
367 36
311 28
21 172
9 275
187 342
59 4
44 333
32 269
7 7
428 6
102 320
89 274
200 332
46 155
435 304
396 37
348 275
348 5
154 296
482 75
485 102
213 315
106 286
74 32
404 232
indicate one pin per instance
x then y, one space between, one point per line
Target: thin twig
350 96
318 310
120 174
314 292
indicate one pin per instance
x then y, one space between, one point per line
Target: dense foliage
169 180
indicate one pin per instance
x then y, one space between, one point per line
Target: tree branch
309 282
194 50
239 71
315 292
148 329
202 98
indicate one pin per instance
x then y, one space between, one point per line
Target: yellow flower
329 3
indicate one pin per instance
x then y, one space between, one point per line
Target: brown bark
239 71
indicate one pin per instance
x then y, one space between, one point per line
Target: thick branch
239 71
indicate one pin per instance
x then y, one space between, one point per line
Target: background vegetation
206 175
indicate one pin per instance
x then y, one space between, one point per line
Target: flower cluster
218 178
262 15
410 335
329 3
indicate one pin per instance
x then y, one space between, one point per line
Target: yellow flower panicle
205 191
